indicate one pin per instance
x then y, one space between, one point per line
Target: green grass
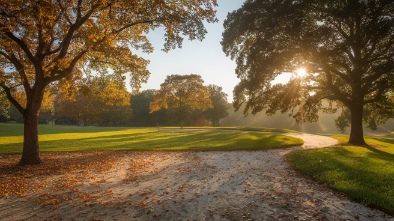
70 138
365 174
247 129
259 129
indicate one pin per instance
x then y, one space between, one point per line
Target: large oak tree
44 41
345 46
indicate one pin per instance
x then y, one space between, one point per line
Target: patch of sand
312 141
240 185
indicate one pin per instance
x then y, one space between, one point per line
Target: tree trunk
356 128
31 150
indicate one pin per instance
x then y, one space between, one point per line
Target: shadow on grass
366 174
379 153
153 140
17 129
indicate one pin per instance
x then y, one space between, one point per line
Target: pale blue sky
205 58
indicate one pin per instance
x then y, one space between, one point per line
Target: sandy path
254 185
312 141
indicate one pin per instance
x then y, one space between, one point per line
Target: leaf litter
125 185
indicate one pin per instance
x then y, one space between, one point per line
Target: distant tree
45 112
4 108
15 115
99 101
42 42
115 107
345 47
182 94
219 105
198 119
140 107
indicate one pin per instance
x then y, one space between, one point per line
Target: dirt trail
240 185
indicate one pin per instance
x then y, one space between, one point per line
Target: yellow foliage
182 91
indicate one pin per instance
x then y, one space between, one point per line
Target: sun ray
301 72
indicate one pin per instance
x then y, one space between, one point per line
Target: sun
301 72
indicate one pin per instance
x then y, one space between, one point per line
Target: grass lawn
70 138
365 174
250 129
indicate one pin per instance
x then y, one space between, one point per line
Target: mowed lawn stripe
65 138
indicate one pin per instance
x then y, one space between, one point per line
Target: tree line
346 48
105 101
45 42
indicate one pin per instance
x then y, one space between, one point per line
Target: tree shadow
379 153
17 129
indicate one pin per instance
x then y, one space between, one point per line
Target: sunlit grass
378 142
366 174
250 129
69 138
259 129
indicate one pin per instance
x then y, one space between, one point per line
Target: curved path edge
312 141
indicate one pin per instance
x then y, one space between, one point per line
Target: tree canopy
4 106
219 104
42 42
140 105
345 47
98 101
182 94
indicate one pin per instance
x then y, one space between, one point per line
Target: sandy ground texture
256 185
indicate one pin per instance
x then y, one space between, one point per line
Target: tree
182 94
346 50
42 42
4 108
140 106
219 104
99 101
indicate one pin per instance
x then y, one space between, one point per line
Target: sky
204 58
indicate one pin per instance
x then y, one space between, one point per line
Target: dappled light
56 45
366 174
91 138
77 143
147 185
332 58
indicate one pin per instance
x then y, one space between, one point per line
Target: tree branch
335 90
66 72
19 68
65 12
11 99
63 47
131 24
22 45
